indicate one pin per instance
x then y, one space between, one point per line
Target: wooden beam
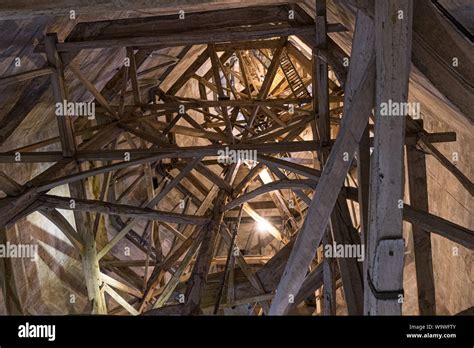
198 278
418 188
458 174
65 124
321 79
194 37
149 204
52 202
215 66
357 105
385 256
350 268
176 276
272 186
429 222
27 75
120 300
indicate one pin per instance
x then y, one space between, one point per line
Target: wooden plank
27 100
192 103
147 213
159 24
436 41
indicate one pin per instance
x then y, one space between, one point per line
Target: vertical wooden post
321 100
363 173
321 97
90 262
65 125
418 189
384 280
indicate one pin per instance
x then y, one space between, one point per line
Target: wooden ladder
294 80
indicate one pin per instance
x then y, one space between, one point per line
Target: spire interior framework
237 160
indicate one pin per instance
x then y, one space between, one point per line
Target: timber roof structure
286 157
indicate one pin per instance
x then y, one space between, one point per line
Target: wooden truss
258 91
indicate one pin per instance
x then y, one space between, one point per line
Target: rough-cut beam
61 222
351 272
418 188
215 67
28 9
290 166
357 105
65 125
334 55
27 75
458 174
320 74
162 24
430 222
443 227
270 187
385 255
194 37
363 172
198 278
91 88
50 201
142 154
196 103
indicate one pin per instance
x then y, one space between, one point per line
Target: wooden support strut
386 247
357 105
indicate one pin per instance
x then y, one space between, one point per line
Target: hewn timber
383 292
418 188
357 105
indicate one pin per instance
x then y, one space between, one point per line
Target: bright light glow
263 225
265 176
